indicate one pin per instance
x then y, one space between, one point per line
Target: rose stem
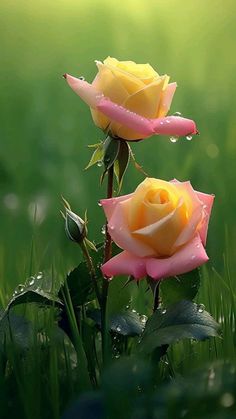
107 256
156 301
91 268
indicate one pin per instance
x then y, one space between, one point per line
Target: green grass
45 130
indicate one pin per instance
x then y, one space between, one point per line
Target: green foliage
40 289
181 287
178 321
126 323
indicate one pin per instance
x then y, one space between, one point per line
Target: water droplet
111 227
120 228
174 139
99 204
118 329
177 114
163 311
161 123
198 246
227 400
143 319
193 257
200 308
168 121
133 311
204 206
103 229
40 275
20 288
82 78
117 356
31 281
99 163
189 137
127 307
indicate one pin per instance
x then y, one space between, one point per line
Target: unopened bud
75 227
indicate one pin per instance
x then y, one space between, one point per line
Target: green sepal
121 163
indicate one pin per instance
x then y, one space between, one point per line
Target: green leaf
122 163
136 164
79 280
15 329
111 150
181 287
97 156
125 323
182 320
37 289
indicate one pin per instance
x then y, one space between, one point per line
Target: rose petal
145 103
125 264
110 204
207 201
186 259
86 91
129 81
174 125
166 99
125 117
161 235
120 233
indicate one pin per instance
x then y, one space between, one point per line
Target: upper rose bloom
162 228
137 87
131 100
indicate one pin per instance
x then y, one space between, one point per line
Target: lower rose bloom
161 227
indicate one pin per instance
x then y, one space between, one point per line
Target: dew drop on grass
118 329
103 230
189 137
163 311
174 139
31 281
19 289
99 163
200 308
227 400
40 275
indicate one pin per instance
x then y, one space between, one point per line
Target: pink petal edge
125 264
186 259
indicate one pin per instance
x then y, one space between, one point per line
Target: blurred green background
45 128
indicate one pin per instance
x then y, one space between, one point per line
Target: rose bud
75 227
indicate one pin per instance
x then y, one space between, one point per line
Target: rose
137 87
131 100
161 227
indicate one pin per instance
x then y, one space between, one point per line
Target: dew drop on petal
193 257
